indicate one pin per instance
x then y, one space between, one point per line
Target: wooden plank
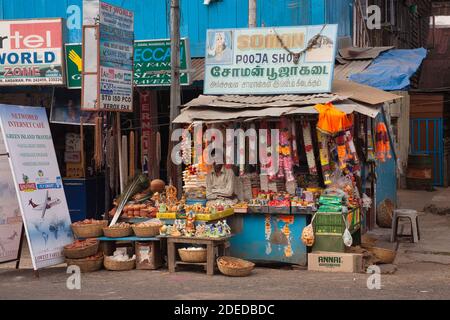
210 259
171 256
191 263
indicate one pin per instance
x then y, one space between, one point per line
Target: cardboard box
335 262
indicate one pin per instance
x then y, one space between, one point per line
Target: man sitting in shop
220 184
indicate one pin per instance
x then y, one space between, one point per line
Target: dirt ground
423 273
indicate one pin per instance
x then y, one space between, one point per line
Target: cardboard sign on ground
335 262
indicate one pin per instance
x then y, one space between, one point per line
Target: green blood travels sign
73 65
151 63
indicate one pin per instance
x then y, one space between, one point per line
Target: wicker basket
384 213
86 265
81 253
146 232
114 265
117 232
243 268
195 256
89 230
384 255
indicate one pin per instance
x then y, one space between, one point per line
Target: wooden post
252 13
175 96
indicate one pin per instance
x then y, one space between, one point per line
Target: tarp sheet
392 69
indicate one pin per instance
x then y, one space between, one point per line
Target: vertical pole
105 128
175 96
252 13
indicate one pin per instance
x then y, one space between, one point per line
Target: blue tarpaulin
392 69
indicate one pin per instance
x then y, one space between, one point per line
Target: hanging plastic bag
308 234
347 236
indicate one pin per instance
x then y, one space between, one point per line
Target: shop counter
269 237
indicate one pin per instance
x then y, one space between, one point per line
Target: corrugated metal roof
353 53
343 71
435 73
198 67
242 101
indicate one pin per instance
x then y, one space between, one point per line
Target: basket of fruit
235 267
147 229
89 228
88 264
81 249
193 254
119 230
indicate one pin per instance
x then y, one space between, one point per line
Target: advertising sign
151 63
10 220
116 58
37 182
270 60
31 52
74 65
66 109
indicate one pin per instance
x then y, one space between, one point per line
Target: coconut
157 185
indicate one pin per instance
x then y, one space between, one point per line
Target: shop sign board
74 65
31 52
37 182
10 220
116 58
276 60
151 63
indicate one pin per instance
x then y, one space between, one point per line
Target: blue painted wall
152 16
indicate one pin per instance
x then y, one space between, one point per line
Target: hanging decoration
383 149
309 147
295 157
324 157
285 151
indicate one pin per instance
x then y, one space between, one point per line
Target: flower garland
309 147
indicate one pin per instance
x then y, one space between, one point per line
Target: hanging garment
383 149
341 149
285 152
307 140
331 119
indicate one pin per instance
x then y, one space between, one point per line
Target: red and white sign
31 52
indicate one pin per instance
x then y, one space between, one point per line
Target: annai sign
270 60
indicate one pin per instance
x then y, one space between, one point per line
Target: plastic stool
413 218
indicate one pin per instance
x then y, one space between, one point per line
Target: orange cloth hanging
383 148
331 119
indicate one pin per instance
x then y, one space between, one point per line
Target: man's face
217 167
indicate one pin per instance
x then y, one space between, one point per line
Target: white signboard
116 58
31 52
10 220
37 182
264 60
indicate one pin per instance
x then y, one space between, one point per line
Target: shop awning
347 96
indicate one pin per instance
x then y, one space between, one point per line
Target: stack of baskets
84 254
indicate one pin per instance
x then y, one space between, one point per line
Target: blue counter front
269 237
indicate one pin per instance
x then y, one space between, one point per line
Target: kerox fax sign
31 52
270 60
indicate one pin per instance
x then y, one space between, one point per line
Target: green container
328 223
329 243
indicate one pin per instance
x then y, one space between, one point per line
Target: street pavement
423 273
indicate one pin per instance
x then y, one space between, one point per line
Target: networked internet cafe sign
270 60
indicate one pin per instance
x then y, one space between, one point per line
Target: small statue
200 230
162 208
226 227
190 223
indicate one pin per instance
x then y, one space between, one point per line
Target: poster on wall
37 182
281 60
31 52
66 109
116 58
10 219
